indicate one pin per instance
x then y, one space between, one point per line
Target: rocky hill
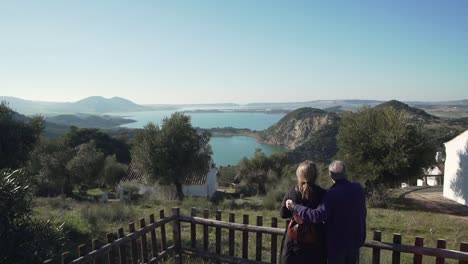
298 127
414 114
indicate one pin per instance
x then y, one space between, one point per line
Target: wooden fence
149 244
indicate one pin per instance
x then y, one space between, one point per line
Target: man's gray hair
337 170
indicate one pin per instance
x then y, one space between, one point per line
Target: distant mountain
99 104
446 103
413 113
93 105
321 104
89 121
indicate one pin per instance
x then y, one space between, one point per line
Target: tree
104 143
113 171
261 170
17 137
380 146
173 152
24 239
48 166
86 166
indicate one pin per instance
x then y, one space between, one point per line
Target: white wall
203 190
212 181
433 180
456 169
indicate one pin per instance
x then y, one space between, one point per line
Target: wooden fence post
111 254
441 243
245 238
419 242
396 255
122 257
133 244
274 243
81 250
154 243
65 256
232 219
94 246
376 251
193 229
463 248
258 248
144 242
163 234
176 236
218 234
206 214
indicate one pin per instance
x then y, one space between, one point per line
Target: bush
23 238
217 198
60 203
94 214
378 196
246 189
75 226
273 199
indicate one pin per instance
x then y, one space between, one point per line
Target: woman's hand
290 204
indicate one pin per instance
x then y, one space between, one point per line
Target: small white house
195 185
432 177
456 169
201 185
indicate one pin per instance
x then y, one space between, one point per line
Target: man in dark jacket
343 210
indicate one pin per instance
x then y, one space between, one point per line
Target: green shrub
60 203
75 226
378 196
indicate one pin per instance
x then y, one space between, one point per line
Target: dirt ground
431 199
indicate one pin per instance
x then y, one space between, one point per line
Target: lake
226 150
253 121
230 150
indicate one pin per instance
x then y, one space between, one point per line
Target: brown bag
302 232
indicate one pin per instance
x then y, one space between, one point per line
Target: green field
83 221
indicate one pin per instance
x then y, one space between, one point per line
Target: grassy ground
83 221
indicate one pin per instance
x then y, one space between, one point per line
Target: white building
432 177
201 186
195 185
456 169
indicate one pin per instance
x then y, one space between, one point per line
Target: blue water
230 150
254 121
226 150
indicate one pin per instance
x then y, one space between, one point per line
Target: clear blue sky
234 51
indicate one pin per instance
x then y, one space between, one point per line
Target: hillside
90 121
299 126
93 105
99 104
414 114
442 129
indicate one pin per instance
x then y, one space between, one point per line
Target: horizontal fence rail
149 244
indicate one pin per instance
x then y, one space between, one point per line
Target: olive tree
381 146
171 153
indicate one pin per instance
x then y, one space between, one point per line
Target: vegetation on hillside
173 152
380 146
24 239
17 137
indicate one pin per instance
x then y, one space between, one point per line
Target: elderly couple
325 225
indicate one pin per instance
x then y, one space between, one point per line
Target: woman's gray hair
337 170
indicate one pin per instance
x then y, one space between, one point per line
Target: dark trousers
345 257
